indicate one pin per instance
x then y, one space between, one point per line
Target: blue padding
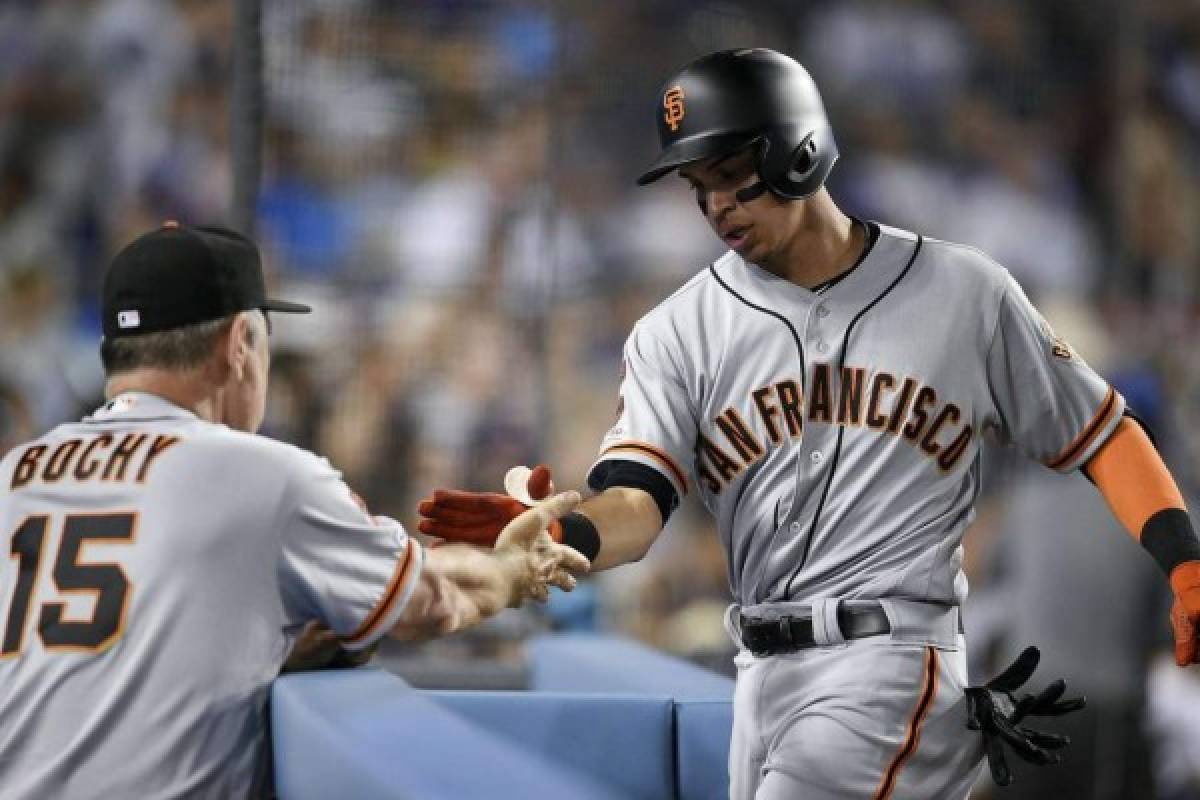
702 732
624 742
365 734
590 663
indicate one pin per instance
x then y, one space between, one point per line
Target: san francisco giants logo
673 103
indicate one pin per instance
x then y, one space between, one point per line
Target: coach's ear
235 346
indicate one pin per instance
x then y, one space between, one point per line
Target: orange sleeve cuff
1131 475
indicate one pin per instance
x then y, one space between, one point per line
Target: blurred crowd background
450 182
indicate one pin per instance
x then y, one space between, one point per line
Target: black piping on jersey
871 230
803 391
837 450
795 336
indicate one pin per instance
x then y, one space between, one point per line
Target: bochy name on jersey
886 403
102 457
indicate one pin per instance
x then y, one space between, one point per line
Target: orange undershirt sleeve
1131 475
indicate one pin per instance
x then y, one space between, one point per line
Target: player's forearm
458 587
1131 475
627 521
1143 496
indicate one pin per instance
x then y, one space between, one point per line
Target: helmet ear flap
804 160
797 171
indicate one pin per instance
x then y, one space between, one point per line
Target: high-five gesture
465 584
536 560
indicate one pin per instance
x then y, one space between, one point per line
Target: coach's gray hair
178 348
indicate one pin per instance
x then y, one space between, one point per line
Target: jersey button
816 457
822 347
797 527
822 311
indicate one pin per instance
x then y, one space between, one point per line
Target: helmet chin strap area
751 192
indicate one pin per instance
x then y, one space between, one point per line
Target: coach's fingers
571 559
563 580
539 592
523 531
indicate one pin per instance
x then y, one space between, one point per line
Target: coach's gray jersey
160 568
835 434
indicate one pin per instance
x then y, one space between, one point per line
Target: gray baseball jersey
835 434
160 569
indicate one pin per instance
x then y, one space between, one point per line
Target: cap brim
286 307
696 148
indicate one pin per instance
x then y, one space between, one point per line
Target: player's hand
478 517
997 712
533 561
1185 613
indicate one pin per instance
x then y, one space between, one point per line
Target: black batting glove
994 710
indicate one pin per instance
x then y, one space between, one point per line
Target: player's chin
750 249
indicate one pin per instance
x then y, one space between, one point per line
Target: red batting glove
478 517
1185 614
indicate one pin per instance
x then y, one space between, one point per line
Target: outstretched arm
1139 489
626 520
616 526
461 585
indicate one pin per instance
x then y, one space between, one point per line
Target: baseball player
824 388
162 558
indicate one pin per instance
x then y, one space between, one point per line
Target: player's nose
720 203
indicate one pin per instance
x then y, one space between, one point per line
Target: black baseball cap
177 275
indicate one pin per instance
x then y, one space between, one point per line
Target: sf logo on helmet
673 103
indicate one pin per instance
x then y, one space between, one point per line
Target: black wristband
1170 538
579 532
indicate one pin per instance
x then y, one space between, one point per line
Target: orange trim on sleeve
1133 478
1088 434
658 455
928 692
399 579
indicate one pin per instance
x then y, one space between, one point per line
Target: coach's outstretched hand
994 710
537 561
462 584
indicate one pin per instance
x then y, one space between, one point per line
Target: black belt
768 637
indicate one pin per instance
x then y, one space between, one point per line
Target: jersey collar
876 270
138 406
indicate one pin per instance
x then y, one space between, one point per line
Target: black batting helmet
734 98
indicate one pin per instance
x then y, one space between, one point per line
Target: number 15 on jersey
107 583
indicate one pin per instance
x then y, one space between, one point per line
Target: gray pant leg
748 746
840 721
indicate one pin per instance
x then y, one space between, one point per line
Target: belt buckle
786 642
755 636
768 637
